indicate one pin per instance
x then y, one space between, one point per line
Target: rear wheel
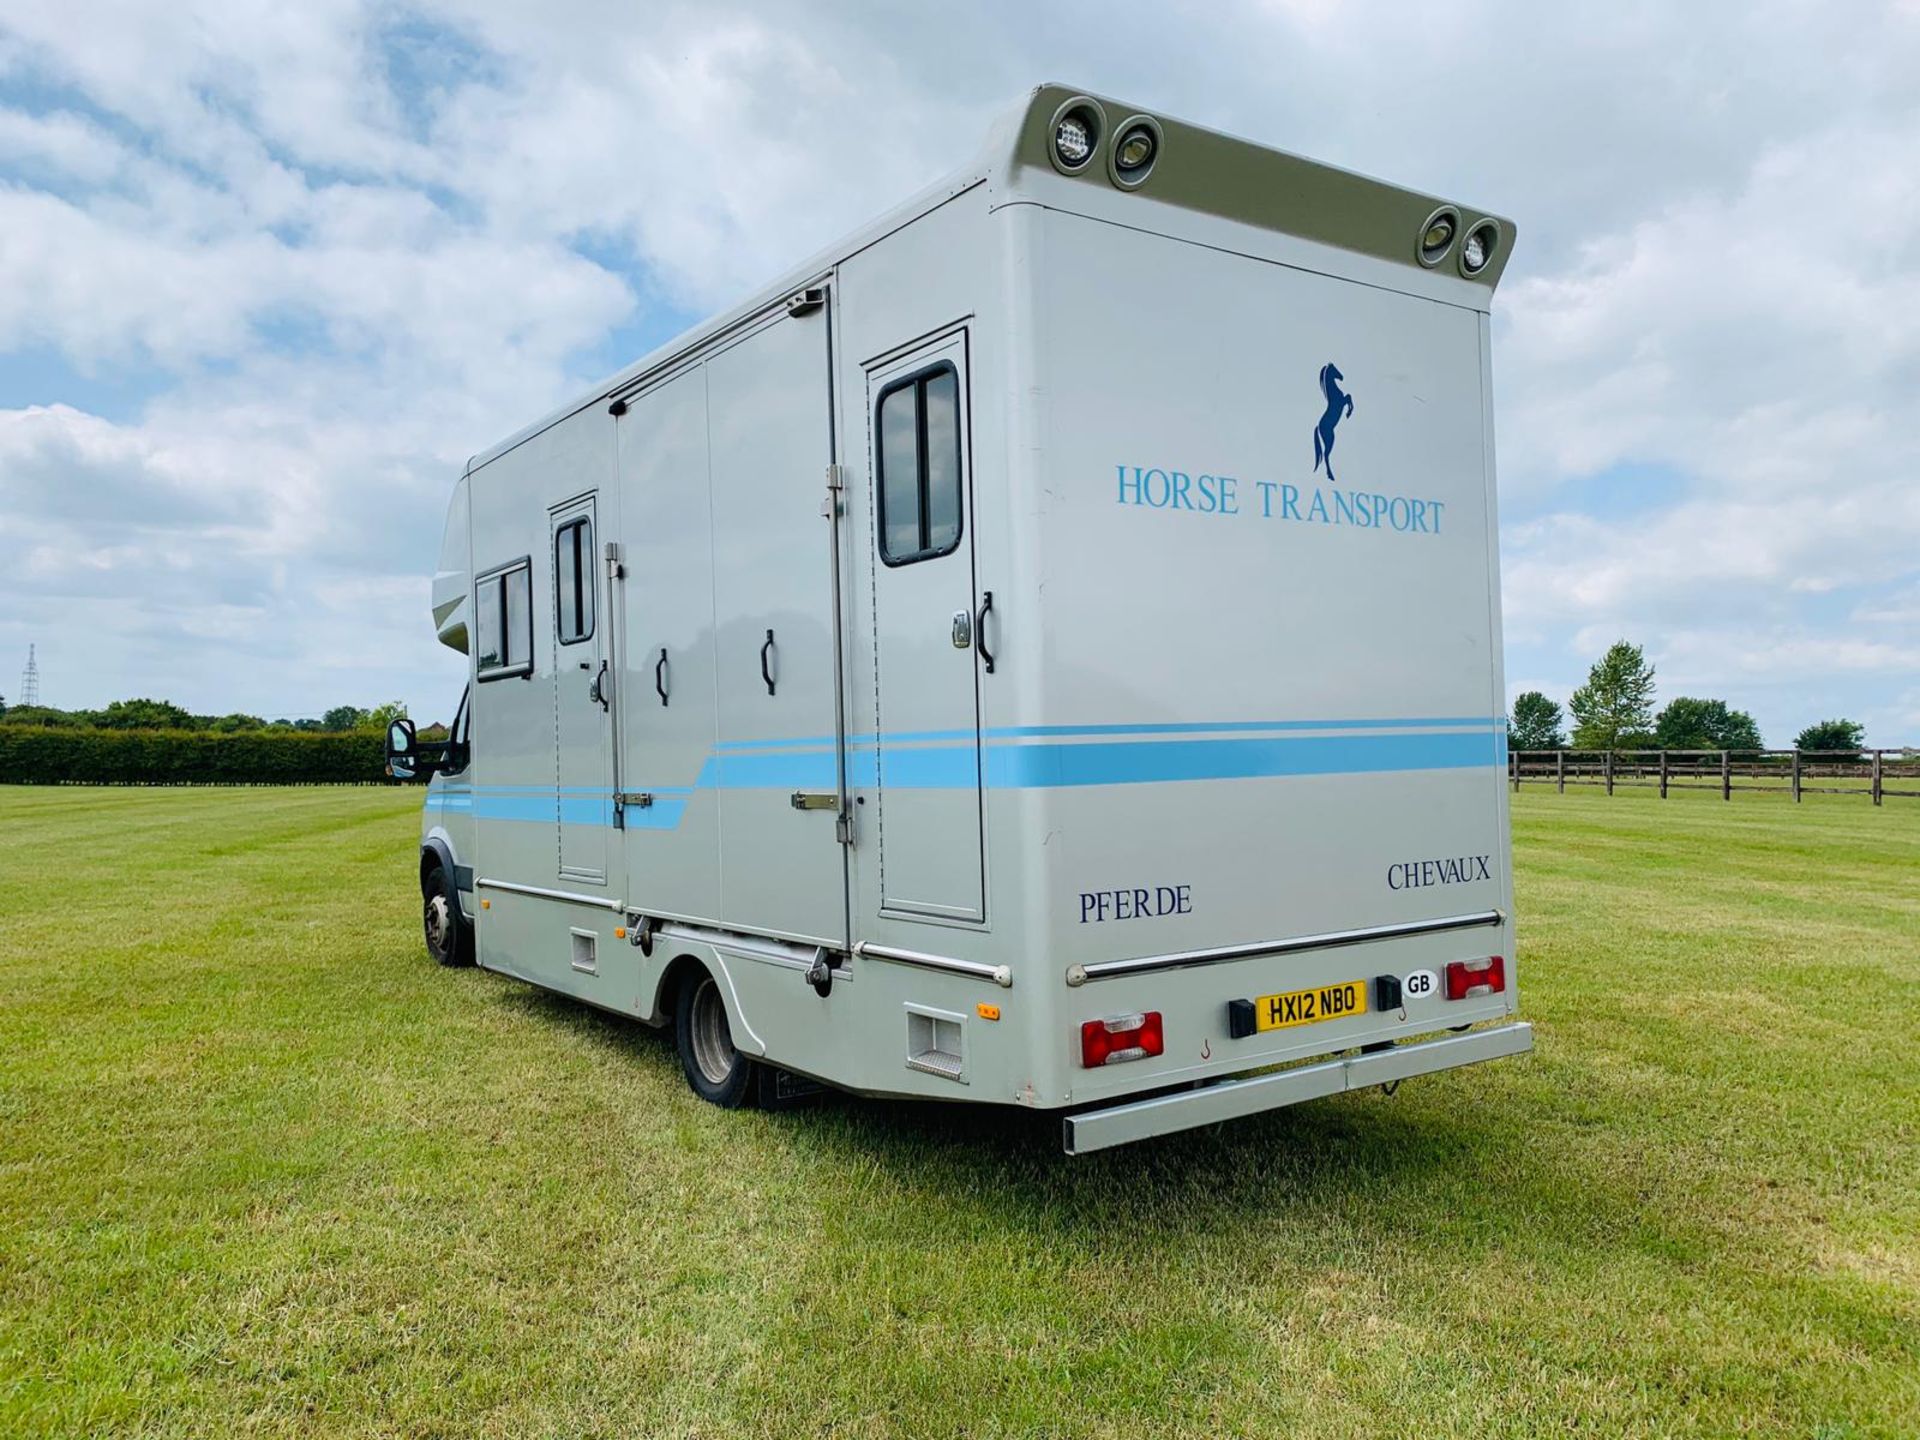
449 937
717 1072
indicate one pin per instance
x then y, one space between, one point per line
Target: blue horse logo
1339 406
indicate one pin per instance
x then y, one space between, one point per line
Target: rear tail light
1121 1037
1476 977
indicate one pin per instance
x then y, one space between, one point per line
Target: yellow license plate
1308 1007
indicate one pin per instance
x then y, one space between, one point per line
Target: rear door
1269 650
926 711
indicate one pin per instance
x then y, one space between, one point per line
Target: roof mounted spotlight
1136 146
1074 136
1436 236
1477 250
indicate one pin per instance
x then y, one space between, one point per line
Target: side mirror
400 749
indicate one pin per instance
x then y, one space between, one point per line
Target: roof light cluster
1079 131
1476 251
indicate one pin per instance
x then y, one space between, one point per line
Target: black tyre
717 1072
449 936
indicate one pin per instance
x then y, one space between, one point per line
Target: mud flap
779 1090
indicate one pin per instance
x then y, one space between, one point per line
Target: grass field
264 1170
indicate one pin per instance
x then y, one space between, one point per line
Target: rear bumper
1234 1099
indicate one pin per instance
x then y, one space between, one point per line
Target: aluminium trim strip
597 901
1001 975
1330 940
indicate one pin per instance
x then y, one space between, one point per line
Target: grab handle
660 676
980 629
766 651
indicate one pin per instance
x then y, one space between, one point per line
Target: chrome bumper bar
1234 1099
1293 945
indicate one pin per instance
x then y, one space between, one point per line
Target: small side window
503 620
918 442
573 580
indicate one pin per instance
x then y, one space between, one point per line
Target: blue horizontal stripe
1041 765
1157 762
1033 732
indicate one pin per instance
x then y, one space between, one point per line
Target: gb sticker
1420 984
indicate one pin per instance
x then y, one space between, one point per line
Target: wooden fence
1881 774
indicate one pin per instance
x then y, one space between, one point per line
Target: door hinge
843 827
815 800
836 477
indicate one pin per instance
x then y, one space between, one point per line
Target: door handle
597 688
766 652
962 630
980 629
660 676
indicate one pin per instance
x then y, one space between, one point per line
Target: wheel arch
437 854
689 963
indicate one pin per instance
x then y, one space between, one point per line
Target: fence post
1726 777
1663 774
1876 775
1560 770
1513 768
1796 775
1609 769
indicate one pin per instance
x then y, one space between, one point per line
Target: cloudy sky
269 273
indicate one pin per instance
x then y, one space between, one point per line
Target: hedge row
32 755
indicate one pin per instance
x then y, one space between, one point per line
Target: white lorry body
1045 650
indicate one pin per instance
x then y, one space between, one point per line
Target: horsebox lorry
1044 651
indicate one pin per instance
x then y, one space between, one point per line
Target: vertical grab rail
609 685
831 509
660 677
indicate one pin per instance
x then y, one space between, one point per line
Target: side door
667 711
776 669
925 701
582 694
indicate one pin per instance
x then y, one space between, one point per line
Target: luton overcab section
1043 651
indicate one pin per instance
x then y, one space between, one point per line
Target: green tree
1535 724
1689 724
381 716
1832 736
343 717
1615 707
145 715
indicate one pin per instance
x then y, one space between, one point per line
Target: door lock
963 629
